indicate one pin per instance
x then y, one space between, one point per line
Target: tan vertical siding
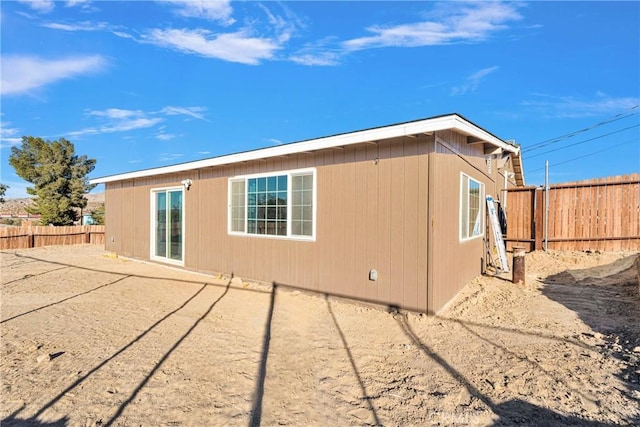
346 211
113 221
335 254
375 206
410 223
459 143
383 229
370 209
193 216
396 198
128 219
454 263
325 231
363 223
424 147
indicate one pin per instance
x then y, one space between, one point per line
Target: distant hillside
17 207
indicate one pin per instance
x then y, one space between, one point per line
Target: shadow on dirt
511 412
356 372
33 421
256 407
520 412
159 363
11 420
607 299
608 303
65 299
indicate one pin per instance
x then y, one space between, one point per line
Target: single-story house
392 215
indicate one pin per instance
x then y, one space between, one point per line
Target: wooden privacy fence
34 236
601 214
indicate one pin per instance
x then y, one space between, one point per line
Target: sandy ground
89 339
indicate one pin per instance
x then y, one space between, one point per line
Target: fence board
594 216
35 236
600 214
520 227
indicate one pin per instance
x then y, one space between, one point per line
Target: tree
58 175
98 215
3 190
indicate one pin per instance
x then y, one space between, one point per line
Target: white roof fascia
469 129
450 122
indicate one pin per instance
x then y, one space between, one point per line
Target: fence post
538 218
518 265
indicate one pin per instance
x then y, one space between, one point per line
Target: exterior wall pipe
505 187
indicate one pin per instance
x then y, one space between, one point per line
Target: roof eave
518 170
453 122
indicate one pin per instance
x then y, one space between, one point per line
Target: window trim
481 203
152 235
290 173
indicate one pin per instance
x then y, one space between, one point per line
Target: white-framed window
471 208
278 204
167 225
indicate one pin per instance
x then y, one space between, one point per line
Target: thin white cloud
40 6
451 23
21 74
549 106
123 120
118 120
234 47
274 141
204 152
284 27
116 113
132 124
165 136
215 10
255 42
10 142
8 135
259 40
322 52
473 81
73 3
169 157
316 58
195 112
121 126
124 35
78 26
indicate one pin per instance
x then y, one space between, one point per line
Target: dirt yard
93 340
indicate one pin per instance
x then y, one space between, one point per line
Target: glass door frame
168 229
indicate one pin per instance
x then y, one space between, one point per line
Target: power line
590 154
582 142
627 113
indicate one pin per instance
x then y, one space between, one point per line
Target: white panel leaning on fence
497 235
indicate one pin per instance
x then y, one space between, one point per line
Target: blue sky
147 84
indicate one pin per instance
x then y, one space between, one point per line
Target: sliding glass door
168 228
